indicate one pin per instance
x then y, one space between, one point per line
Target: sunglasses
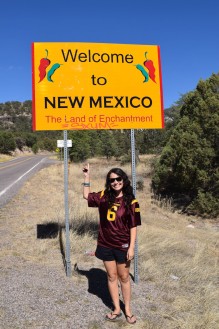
118 179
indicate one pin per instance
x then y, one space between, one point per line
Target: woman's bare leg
124 278
112 277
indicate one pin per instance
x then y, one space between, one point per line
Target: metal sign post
134 190
67 254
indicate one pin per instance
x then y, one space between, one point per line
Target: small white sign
60 143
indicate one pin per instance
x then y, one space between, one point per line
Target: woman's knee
124 277
112 276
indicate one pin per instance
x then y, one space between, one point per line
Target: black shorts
109 254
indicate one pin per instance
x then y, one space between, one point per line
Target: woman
119 216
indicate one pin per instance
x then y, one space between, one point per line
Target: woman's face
116 183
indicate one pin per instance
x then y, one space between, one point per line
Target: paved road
15 172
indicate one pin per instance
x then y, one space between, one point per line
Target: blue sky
186 31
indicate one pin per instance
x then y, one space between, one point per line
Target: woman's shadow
97 278
97 285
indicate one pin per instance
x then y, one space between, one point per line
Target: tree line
187 165
16 133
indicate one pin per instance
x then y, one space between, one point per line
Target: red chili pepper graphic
150 66
44 63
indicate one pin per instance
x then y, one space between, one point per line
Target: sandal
116 316
129 319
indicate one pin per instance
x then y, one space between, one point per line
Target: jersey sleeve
135 218
94 199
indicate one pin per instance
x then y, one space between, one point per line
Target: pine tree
189 164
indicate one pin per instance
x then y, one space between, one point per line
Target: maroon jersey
116 221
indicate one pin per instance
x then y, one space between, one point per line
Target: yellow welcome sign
96 86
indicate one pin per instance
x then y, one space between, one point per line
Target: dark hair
127 189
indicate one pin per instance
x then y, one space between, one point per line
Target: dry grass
178 255
5 157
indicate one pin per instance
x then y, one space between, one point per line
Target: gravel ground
36 296
36 293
